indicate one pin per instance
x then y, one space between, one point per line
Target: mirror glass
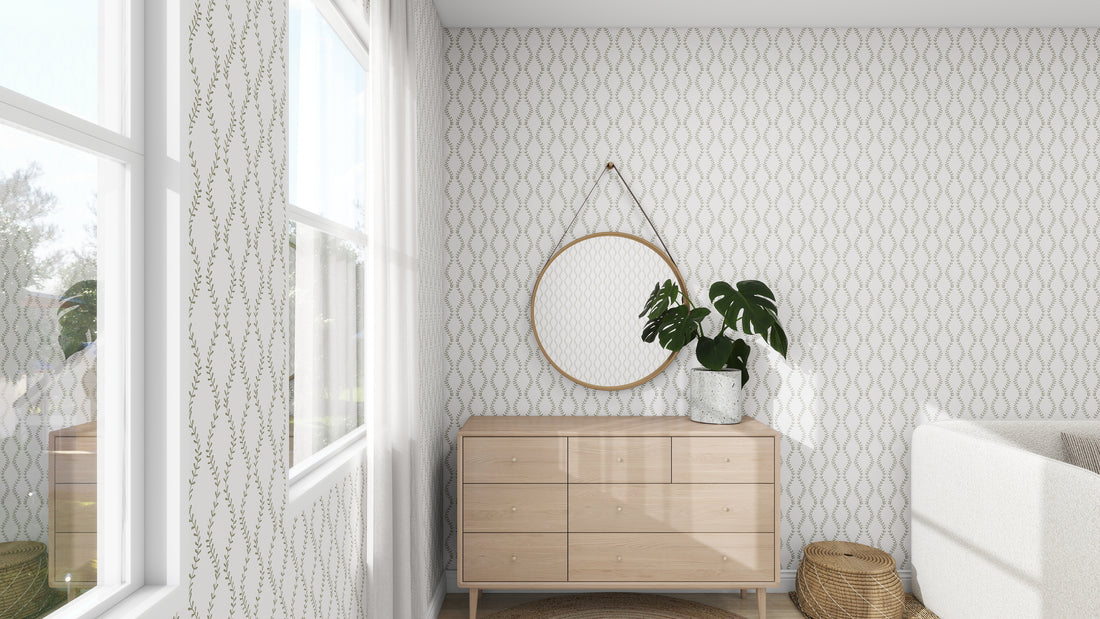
585 310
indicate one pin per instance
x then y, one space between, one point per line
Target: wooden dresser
72 503
617 503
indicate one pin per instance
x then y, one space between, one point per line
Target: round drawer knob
619 508
513 557
725 558
514 460
618 557
725 509
620 459
727 459
514 508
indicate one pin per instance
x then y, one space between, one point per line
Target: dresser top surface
608 426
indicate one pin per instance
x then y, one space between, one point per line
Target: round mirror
585 307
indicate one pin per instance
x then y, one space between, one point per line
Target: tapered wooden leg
474 595
762 602
742 594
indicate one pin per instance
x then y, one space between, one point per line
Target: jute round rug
613 606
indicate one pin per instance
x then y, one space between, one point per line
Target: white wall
923 202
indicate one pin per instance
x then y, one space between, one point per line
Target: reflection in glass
69 54
585 310
328 107
50 195
326 339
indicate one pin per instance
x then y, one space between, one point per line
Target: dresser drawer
74 459
75 554
503 508
624 460
723 460
513 557
507 459
671 557
74 508
652 508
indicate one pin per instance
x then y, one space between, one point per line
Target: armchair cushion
1082 451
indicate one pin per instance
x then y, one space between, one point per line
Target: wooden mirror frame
535 292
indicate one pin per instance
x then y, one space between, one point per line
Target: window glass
50 196
69 54
326 339
328 102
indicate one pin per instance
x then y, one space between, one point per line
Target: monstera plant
77 317
749 307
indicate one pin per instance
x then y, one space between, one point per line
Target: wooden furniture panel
618 459
608 426
500 508
667 557
75 508
650 508
723 460
514 557
75 459
74 553
71 537
608 502
492 460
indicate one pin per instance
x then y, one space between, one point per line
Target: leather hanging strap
609 167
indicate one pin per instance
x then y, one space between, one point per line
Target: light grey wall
923 202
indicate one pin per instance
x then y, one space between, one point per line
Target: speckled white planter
714 396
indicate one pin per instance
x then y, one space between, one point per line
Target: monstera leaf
750 308
723 352
662 297
676 327
714 353
77 317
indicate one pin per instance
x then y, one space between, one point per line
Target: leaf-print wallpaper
250 551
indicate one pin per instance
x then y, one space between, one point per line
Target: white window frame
120 441
349 23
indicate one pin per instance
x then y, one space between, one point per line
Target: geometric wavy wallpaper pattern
925 203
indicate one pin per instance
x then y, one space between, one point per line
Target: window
328 196
71 164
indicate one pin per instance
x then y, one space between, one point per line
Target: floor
457 605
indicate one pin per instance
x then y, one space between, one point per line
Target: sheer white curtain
392 315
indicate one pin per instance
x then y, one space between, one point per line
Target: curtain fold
392 315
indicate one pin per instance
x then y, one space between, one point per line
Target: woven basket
843 580
24 591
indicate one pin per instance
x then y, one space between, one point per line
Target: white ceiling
751 13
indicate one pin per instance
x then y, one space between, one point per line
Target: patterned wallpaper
924 203
326 575
33 403
236 316
253 554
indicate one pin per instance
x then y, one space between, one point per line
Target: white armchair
1001 526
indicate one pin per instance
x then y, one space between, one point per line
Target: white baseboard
442 588
786 584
